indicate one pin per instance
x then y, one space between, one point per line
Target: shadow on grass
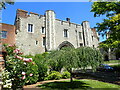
64 85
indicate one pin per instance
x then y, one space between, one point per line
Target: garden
21 70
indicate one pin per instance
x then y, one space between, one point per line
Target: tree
89 57
112 22
4 2
70 58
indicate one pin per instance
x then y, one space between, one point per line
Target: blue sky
76 11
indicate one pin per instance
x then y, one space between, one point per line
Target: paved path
42 82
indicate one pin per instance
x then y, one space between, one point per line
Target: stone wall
54 32
73 33
30 42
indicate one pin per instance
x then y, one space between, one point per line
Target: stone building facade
39 33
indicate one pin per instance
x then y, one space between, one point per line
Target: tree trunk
71 79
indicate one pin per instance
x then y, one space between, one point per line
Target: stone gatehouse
37 33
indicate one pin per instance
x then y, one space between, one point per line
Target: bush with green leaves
70 58
89 57
65 75
39 59
54 75
55 60
22 70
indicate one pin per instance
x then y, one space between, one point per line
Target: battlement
34 13
68 23
25 14
22 13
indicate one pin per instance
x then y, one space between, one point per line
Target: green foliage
55 60
42 65
54 75
112 22
22 70
31 68
69 58
65 75
89 57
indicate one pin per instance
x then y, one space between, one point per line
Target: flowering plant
22 70
6 82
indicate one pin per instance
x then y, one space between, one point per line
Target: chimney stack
68 19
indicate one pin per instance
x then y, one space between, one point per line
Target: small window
4 34
80 35
93 46
92 38
43 41
43 30
36 42
81 44
65 33
76 31
30 27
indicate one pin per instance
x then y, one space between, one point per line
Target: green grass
77 84
111 61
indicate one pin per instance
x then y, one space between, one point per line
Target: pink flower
23 77
31 74
27 59
23 73
30 59
16 51
19 57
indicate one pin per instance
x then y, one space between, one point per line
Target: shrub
54 75
42 65
6 81
65 75
22 70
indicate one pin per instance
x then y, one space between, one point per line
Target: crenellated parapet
68 23
22 13
25 14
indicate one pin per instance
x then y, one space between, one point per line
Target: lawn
111 61
77 84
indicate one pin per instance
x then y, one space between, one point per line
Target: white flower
31 74
23 73
24 63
